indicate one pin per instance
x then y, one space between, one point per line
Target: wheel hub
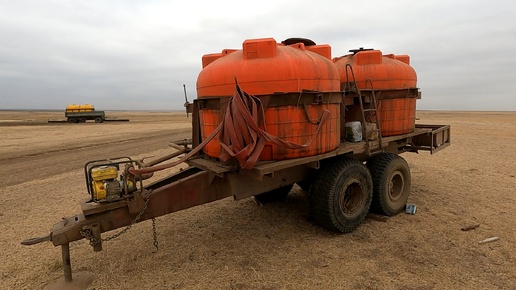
396 185
351 198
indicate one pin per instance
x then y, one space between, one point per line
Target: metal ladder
372 109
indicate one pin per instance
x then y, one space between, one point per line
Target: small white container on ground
410 208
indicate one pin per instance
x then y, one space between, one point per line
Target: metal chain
154 235
93 241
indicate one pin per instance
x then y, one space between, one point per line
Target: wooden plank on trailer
270 167
210 165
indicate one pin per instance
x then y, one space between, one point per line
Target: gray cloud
138 54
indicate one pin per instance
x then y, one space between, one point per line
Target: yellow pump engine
106 182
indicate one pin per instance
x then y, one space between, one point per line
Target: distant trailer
82 113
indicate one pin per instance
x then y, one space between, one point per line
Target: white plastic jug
353 131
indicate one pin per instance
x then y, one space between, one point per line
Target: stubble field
241 245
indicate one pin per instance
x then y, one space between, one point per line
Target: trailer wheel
274 195
99 120
341 195
73 120
391 183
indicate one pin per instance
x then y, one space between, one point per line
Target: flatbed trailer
79 117
206 180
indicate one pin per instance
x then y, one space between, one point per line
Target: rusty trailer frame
206 180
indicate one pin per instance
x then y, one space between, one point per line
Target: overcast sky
137 55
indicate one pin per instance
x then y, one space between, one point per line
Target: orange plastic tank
390 73
279 72
397 116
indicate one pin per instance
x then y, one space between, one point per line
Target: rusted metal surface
196 128
167 196
247 185
170 195
383 94
437 138
278 100
67 265
212 166
33 241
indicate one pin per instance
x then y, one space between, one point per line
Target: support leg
77 281
67 265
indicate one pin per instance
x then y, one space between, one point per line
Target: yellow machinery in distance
81 113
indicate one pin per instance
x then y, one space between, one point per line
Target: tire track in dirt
38 166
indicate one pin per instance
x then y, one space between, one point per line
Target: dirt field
240 245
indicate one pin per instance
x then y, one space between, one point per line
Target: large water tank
284 77
394 82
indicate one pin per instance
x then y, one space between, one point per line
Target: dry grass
239 245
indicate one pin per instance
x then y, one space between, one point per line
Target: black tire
72 120
279 194
391 183
341 196
99 120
